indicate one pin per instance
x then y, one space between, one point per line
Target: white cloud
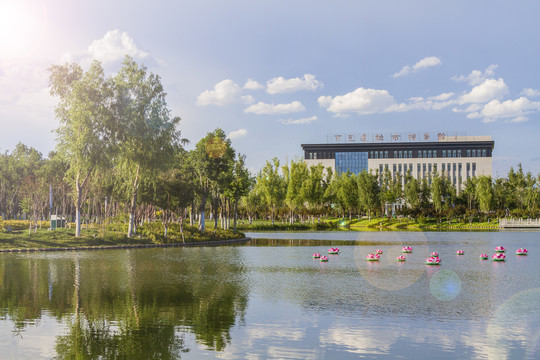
476 76
361 101
281 85
530 92
515 110
237 134
441 97
271 109
422 64
488 90
114 46
225 92
298 121
519 119
253 85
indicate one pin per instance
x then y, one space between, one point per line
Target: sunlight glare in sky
20 29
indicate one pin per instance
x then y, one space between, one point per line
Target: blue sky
276 74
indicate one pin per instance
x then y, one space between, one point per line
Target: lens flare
445 285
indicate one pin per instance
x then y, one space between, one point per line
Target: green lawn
100 236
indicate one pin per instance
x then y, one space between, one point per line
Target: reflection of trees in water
129 304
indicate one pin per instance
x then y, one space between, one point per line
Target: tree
211 159
85 133
347 192
272 185
174 192
297 172
147 134
240 185
484 193
412 192
312 190
368 192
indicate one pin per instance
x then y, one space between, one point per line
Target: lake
269 299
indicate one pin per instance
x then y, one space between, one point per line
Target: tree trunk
131 229
235 214
204 197
78 208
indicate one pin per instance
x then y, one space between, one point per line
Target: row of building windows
405 154
453 171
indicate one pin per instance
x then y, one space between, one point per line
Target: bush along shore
16 235
374 224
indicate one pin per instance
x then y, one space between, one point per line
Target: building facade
457 157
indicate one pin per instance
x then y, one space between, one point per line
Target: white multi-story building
458 157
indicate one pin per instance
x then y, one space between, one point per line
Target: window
315 155
400 168
386 154
400 154
454 153
484 153
371 154
468 152
424 154
376 154
410 154
429 153
459 153
473 153
385 167
434 153
420 154
395 154
435 167
380 169
443 167
444 153
473 169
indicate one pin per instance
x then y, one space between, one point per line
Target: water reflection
271 300
127 304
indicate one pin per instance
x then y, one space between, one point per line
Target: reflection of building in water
457 157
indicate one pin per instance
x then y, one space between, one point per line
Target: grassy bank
420 224
110 235
365 224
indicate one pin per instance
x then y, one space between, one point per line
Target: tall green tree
347 192
412 192
484 193
312 190
272 186
147 133
368 192
297 172
85 134
211 162
241 183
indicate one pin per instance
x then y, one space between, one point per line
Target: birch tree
84 135
147 134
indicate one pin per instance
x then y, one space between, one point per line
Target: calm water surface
268 299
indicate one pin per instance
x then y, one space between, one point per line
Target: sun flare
19 28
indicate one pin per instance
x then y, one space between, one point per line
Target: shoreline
136 246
